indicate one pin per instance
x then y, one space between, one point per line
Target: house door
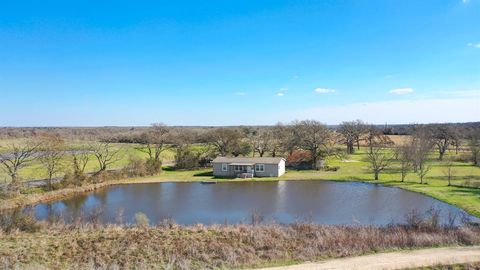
249 169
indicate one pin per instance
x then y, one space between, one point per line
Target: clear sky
95 63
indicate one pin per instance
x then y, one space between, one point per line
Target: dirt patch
396 260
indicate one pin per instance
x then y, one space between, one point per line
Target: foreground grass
198 247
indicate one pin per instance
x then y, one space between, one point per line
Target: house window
238 168
224 167
260 167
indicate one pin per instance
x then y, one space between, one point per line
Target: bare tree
155 142
404 154
106 154
448 170
262 142
351 132
474 145
241 148
314 137
17 157
443 136
80 159
224 140
51 155
379 158
421 145
374 137
283 140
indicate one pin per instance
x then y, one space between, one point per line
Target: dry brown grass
196 247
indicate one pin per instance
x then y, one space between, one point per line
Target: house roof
248 160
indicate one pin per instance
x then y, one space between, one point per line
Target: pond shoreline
23 200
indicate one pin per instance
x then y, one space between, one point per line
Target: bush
153 166
135 167
300 160
185 158
75 178
331 168
141 219
17 220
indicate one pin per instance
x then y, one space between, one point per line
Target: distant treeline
134 134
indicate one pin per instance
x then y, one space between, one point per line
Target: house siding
217 170
271 170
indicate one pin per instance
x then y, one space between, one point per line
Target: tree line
308 142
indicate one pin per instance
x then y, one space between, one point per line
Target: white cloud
281 91
394 112
320 90
465 1
401 91
474 45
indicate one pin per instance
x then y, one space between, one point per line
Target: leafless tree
155 141
380 158
474 145
314 137
80 159
224 140
352 132
422 145
106 154
404 154
374 137
449 170
52 148
283 141
17 156
443 136
262 142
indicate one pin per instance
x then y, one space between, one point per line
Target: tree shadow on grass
199 174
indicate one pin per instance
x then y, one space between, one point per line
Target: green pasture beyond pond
354 168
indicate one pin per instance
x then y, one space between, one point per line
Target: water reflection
284 201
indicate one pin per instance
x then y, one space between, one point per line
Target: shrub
141 219
185 158
153 166
135 167
331 168
18 220
300 160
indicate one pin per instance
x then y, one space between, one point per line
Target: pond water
320 202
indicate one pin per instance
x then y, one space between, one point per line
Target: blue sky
95 63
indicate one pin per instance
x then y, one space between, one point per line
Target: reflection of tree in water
76 203
102 197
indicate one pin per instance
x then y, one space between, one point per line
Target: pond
321 202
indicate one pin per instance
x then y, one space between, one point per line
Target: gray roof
263 160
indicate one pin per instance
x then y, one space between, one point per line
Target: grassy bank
199 247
